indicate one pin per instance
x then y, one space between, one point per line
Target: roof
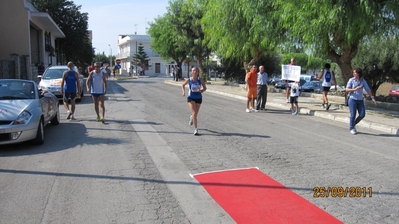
43 19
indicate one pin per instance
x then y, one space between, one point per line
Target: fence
15 69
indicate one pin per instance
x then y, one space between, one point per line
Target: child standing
295 90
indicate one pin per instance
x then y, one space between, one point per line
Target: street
135 168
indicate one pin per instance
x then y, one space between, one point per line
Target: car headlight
23 118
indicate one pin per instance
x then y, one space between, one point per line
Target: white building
128 47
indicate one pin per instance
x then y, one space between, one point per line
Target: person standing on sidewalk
177 73
354 88
40 68
173 72
96 84
287 83
261 97
328 77
194 97
250 85
294 94
70 86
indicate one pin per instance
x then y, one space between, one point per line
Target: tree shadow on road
228 134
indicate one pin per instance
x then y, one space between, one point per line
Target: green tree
246 31
379 59
300 58
186 16
164 40
141 58
101 57
336 28
76 46
272 63
315 64
232 69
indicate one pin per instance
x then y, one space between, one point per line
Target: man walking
261 83
69 84
96 84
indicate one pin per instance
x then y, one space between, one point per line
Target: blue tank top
70 82
194 89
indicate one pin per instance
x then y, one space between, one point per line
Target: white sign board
290 72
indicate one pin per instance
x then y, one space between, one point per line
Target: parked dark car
273 81
312 86
280 85
394 91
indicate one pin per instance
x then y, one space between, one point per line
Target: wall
14 26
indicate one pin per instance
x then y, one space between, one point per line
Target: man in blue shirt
70 86
261 83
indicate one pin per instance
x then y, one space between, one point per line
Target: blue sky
109 18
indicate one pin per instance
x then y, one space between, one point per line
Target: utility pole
136 59
110 60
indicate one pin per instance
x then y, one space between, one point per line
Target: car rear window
395 88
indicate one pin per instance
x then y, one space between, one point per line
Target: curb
306 111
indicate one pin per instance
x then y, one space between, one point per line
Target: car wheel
56 119
39 134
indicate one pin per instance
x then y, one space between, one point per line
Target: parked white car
52 78
339 88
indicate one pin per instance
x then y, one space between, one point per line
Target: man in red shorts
250 79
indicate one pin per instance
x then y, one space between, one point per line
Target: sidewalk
383 120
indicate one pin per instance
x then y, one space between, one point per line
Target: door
157 67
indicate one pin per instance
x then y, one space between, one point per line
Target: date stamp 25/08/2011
342 192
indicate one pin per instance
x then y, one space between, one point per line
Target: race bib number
195 88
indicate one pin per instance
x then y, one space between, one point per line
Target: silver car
24 111
52 78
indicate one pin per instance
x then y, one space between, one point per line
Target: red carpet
250 196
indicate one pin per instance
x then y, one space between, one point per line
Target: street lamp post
136 59
110 60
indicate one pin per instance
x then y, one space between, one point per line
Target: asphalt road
135 168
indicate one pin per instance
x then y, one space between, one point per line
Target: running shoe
72 117
191 120
196 131
102 120
98 118
328 106
69 115
248 111
353 131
